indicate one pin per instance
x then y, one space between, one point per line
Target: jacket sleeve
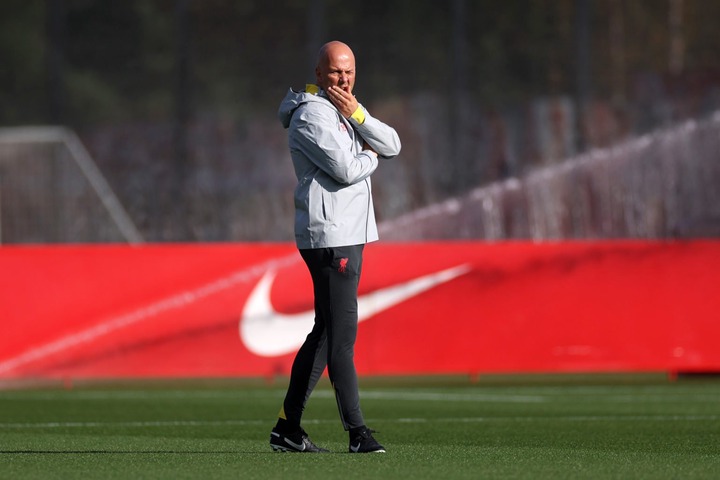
381 137
317 136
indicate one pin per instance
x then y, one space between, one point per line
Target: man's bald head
332 50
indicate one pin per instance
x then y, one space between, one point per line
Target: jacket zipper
367 210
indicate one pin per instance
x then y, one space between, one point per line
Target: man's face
338 70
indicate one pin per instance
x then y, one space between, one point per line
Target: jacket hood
294 99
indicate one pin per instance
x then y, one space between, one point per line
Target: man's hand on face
344 101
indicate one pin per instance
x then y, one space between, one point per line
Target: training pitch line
534 395
247 423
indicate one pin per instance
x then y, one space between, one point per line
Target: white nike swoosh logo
268 333
300 447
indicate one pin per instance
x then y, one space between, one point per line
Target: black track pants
335 274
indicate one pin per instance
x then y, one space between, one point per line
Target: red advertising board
425 308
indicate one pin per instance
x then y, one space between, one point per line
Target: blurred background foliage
176 99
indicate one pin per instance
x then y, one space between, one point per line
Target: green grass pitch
535 427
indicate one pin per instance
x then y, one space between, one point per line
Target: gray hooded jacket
333 198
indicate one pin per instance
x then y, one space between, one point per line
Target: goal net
51 191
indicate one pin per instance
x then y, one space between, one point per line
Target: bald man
335 145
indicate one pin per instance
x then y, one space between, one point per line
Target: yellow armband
358 115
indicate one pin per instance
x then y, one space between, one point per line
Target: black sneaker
293 442
363 442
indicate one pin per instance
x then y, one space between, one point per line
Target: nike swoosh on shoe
299 448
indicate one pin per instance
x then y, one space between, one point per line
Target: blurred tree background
176 99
